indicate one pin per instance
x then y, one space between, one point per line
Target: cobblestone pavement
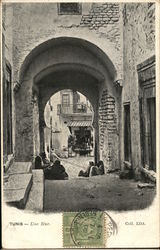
75 164
106 192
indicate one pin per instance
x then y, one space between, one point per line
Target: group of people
54 170
93 170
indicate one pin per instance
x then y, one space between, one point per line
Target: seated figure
55 172
97 170
41 161
45 161
100 167
53 155
94 171
87 172
38 162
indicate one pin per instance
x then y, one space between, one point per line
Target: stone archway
54 65
71 78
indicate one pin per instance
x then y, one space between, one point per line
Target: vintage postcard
80 124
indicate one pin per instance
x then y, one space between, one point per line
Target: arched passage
71 77
72 43
54 65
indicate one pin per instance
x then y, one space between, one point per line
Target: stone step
149 174
20 168
17 188
36 195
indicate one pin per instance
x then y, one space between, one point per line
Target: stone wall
105 20
7 14
101 15
24 123
139 45
108 127
39 22
36 136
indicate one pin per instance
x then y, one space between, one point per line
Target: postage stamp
84 229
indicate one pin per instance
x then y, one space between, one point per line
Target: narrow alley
83 87
79 123
98 192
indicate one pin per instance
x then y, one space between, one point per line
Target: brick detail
101 15
107 121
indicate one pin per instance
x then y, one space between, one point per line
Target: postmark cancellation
87 229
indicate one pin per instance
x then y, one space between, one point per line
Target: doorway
146 74
151 132
127 133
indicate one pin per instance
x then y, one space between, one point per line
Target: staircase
21 186
17 184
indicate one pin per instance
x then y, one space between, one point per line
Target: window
127 133
65 99
58 109
69 9
9 110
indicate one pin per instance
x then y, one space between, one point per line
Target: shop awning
79 123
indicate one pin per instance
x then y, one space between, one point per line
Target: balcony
79 108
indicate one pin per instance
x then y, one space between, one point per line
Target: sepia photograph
79 109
